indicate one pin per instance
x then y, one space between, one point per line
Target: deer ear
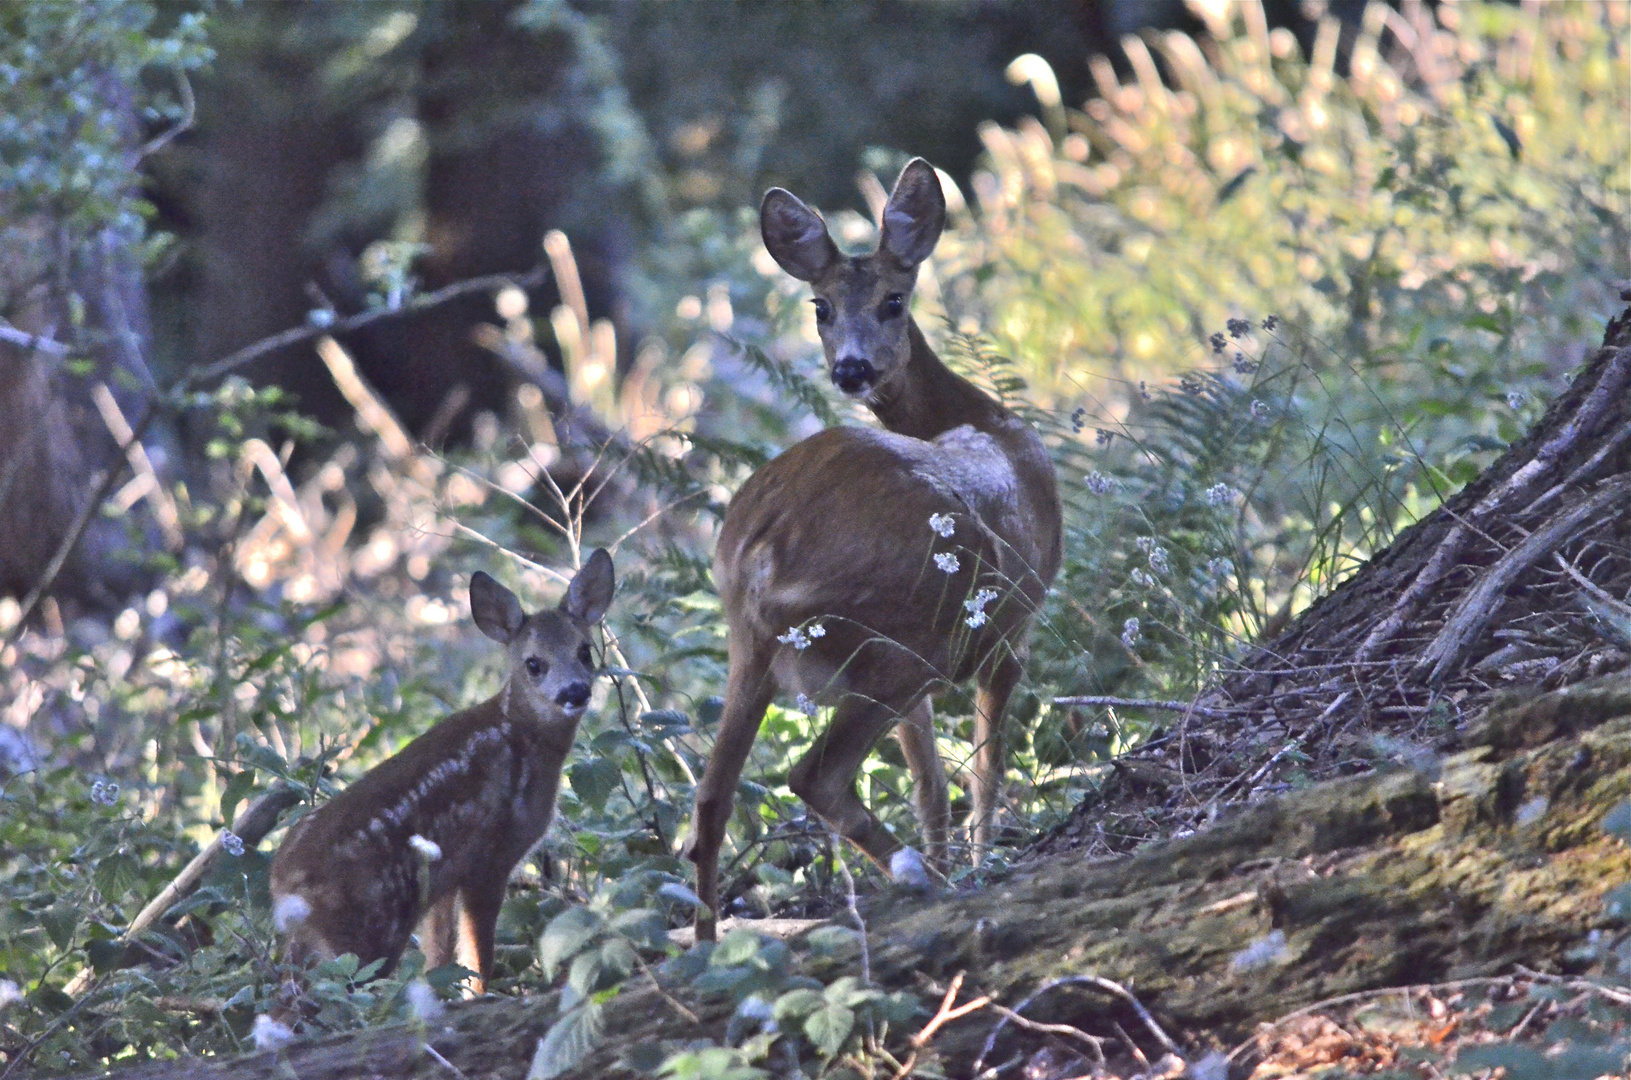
590 593
496 610
914 215
795 235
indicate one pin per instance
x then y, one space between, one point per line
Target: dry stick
259 818
854 911
1477 605
1094 700
103 484
945 1015
1107 985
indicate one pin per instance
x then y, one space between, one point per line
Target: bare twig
189 111
1107 985
854 909
944 1015
1094 700
103 483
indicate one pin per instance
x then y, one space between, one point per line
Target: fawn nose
852 374
574 695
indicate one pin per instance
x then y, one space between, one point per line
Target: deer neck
932 399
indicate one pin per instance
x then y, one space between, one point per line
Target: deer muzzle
853 375
573 696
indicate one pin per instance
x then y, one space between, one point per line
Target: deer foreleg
747 695
996 682
825 776
930 798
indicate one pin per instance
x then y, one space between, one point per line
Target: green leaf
237 788
834 941
741 946
60 920
568 1041
565 936
594 781
828 1029
797 1003
116 875
643 927
850 991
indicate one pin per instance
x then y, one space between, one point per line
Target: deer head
862 304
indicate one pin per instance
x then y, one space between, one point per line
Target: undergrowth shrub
1264 315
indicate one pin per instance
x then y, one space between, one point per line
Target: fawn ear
496 610
914 215
590 593
795 235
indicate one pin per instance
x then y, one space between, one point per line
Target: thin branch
189 111
1098 701
104 482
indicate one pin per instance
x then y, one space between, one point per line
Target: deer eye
893 305
823 309
584 655
536 667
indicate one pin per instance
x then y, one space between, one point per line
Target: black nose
852 375
573 694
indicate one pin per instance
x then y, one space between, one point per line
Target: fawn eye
536 667
893 305
584 656
823 309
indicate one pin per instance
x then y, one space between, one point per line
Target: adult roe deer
867 569
429 837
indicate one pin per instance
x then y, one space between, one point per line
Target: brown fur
835 532
480 785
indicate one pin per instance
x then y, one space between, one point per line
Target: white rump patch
906 868
290 911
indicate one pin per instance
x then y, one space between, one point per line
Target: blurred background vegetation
1273 279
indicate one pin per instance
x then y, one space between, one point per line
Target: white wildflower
1267 950
816 630
1260 410
232 842
1158 560
976 607
1098 483
947 562
1141 578
1146 543
1220 495
423 1004
795 637
270 1034
942 524
1129 633
1219 568
9 992
1515 399
429 850
805 705
106 794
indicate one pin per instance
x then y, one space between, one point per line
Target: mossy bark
1492 859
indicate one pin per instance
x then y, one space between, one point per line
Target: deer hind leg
930 796
439 932
748 691
996 681
825 776
479 906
